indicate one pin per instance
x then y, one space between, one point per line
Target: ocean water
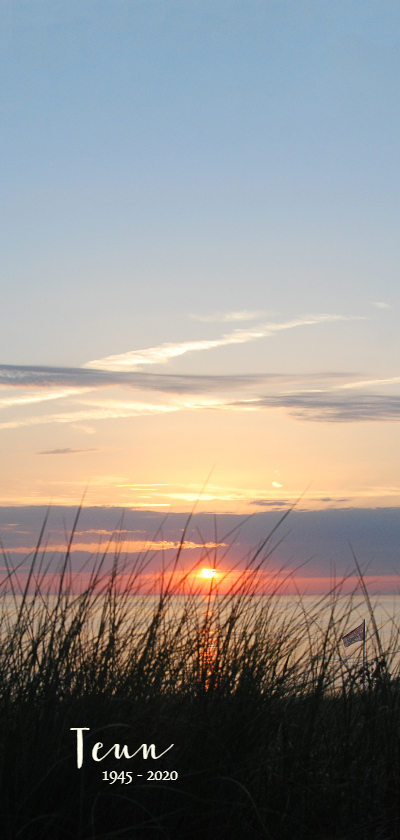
307 618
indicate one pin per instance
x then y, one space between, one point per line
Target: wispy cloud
111 413
163 353
129 546
331 409
272 503
224 317
363 383
18 376
318 397
67 451
347 386
27 399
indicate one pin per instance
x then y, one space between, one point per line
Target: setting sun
208 573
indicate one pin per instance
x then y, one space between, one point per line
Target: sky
200 257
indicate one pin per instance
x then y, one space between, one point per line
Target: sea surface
307 617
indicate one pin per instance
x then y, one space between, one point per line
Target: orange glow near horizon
139 473
234 582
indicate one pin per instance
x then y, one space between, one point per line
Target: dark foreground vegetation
273 735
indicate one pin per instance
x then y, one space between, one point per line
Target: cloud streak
128 546
302 406
163 353
317 397
18 376
29 399
67 451
226 317
108 413
330 409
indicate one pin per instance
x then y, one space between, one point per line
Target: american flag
356 635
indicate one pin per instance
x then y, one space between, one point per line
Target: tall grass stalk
273 736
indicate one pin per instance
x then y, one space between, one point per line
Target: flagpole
364 657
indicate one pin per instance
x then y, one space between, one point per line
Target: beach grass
275 732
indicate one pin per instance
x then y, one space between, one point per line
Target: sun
208 573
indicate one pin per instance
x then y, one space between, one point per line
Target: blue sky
163 159
200 258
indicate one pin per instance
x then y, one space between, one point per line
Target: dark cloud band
25 376
323 405
331 409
